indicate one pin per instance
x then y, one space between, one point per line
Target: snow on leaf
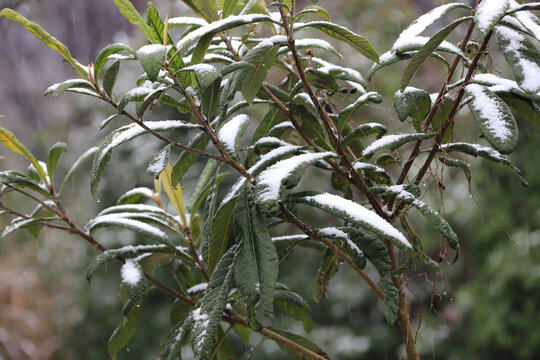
393 142
133 281
130 224
285 174
206 74
526 19
494 118
197 288
131 273
230 133
352 249
151 58
186 20
419 25
356 214
489 12
159 162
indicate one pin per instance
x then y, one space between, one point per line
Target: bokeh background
486 306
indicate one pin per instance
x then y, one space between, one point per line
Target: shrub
220 245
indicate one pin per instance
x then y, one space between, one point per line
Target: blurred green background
486 306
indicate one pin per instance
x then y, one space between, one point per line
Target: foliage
218 245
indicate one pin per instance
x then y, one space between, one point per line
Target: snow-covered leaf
522 56
284 174
464 166
485 152
364 130
358 42
356 214
311 43
314 9
422 23
427 49
412 102
104 54
208 316
372 247
373 172
135 196
526 19
134 225
232 131
186 21
205 74
349 247
58 89
493 117
151 58
159 162
122 135
392 57
349 110
133 281
256 264
20 223
394 141
489 12
339 72
173 344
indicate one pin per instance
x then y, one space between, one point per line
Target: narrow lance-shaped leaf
493 117
394 141
12 143
109 79
44 36
122 335
52 158
293 305
348 111
256 265
128 10
390 303
174 192
489 12
425 52
356 214
130 224
304 342
133 281
135 195
232 131
59 88
358 42
372 247
122 135
104 54
76 165
350 248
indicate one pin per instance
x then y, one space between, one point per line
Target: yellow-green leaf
44 36
12 143
174 194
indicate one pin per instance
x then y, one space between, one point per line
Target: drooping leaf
488 13
151 58
356 214
133 281
293 305
522 56
76 165
358 42
524 107
348 111
256 265
128 10
52 158
12 143
130 224
392 57
363 131
58 89
412 102
493 117
314 9
104 54
109 79
206 74
261 57
464 166
373 172
424 53
349 247
202 187
304 342
372 247
174 192
173 344
44 36
122 335
20 223
231 132
122 135
390 303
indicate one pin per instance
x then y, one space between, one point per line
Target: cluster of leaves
219 244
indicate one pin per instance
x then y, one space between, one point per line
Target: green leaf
390 303
440 117
52 158
262 57
186 159
422 55
159 162
372 247
122 135
314 9
485 152
151 58
363 131
76 165
231 132
355 214
294 306
464 166
256 265
23 224
412 102
522 56
358 42
58 89
373 172
488 13
12 143
219 26
208 316
134 196
122 335
228 7
348 111
524 107
203 186
392 142
109 79
206 74
172 346
44 36
493 117
128 10
134 225
329 267
104 54
133 281
179 311
284 175
302 341
311 125
348 247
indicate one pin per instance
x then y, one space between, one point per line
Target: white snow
421 24
316 43
527 19
488 12
363 165
230 131
197 288
271 41
285 124
120 57
159 162
203 69
67 82
530 70
383 142
118 219
289 238
303 97
144 191
418 41
147 50
488 109
186 20
131 273
360 214
270 140
133 208
328 68
270 180
332 231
